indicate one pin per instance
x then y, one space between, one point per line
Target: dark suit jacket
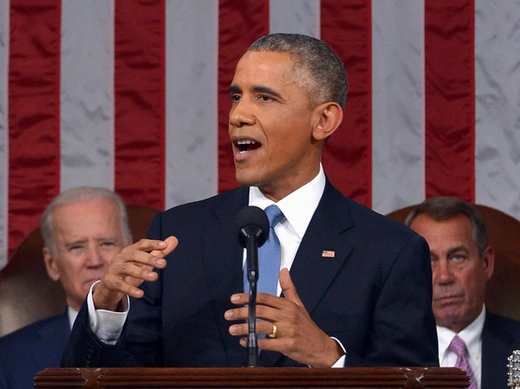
500 337
374 295
31 349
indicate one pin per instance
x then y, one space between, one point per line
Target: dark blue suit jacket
31 349
500 336
374 295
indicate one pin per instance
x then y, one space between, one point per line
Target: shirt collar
471 335
297 207
72 314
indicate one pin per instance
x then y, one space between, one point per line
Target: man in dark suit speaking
462 263
354 287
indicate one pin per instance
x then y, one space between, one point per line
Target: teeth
245 145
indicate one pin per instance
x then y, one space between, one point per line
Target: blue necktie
269 256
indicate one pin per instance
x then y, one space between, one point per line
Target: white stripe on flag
397 104
87 94
497 105
191 100
295 16
4 138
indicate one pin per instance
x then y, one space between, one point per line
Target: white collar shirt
298 209
72 314
472 336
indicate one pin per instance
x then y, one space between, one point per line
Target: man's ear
50 265
489 261
328 118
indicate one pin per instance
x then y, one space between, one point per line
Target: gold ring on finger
272 335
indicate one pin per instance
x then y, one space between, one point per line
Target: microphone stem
252 276
252 346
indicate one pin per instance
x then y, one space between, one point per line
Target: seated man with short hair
462 263
83 228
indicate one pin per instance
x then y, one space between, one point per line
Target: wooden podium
377 377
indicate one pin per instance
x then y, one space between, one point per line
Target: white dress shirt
472 336
298 208
72 314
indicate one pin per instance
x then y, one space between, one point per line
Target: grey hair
318 68
79 195
444 207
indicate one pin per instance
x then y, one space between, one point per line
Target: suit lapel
322 252
223 263
223 258
496 347
323 249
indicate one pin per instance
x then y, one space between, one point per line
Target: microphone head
249 221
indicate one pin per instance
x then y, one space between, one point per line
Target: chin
247 179
447 318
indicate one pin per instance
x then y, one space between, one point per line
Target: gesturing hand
128 269
297 336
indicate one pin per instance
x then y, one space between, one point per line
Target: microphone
252 226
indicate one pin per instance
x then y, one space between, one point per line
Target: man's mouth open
244 146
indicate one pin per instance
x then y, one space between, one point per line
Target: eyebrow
256 88
70 244
234 89
457 249
266 90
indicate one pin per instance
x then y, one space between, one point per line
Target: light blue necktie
269 256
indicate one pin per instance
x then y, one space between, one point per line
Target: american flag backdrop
132 95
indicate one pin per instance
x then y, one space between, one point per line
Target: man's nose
443 272
94 256
241 114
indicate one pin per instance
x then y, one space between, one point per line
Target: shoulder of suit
494 318
239 195
30 331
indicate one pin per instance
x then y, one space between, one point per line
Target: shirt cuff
341 361
107 325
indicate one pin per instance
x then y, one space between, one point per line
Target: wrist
102 301
334 351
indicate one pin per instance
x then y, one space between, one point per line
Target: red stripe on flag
347 158
34 111
450 99
140 102
240 24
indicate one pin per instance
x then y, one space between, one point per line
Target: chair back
503 289
27 294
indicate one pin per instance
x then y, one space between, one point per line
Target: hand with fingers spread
288 326
133 265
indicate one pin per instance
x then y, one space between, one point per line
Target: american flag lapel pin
328 254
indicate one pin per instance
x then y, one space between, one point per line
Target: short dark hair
445 207
320 70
